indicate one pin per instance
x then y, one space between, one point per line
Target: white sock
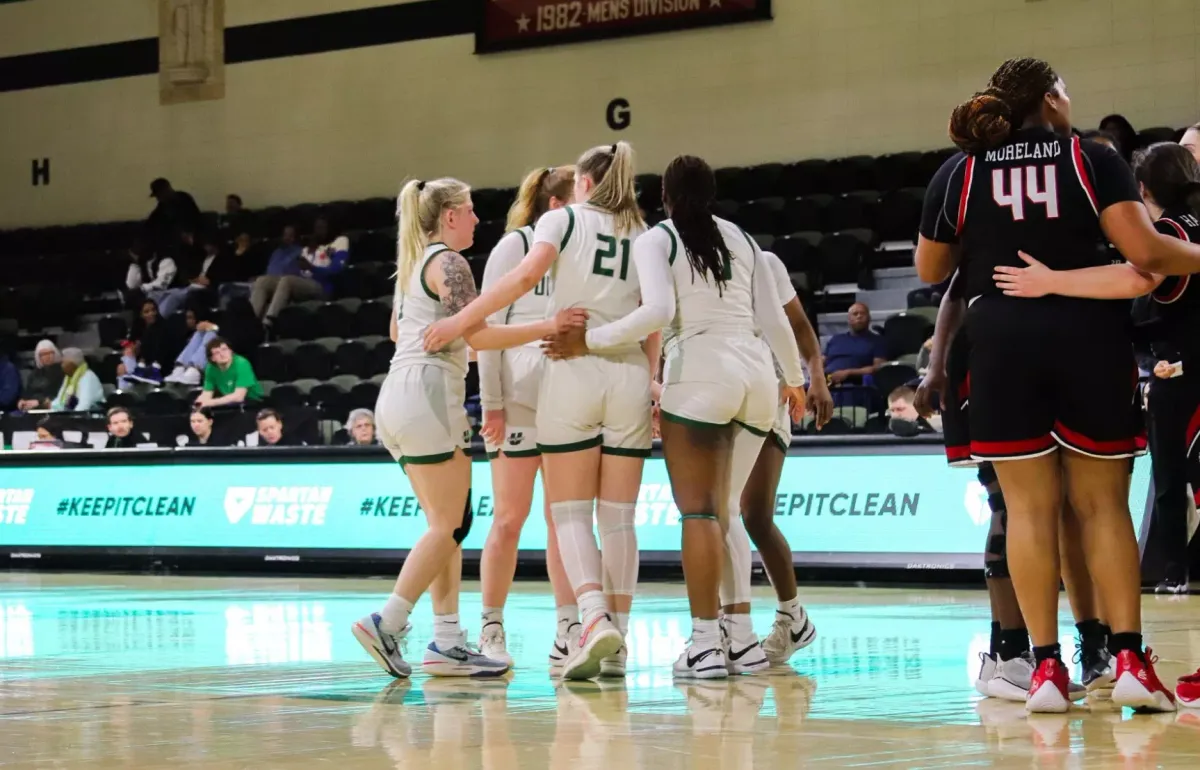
791 608
735 572
577 542
447 631
394 615
618 546
592 604
568 615
622 621
493 615
705 633
740 626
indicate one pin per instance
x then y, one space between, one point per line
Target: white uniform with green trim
510 379
420 414
717 369
599 399
782 430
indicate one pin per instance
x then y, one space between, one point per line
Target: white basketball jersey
416 307
594 269
507 254
701 307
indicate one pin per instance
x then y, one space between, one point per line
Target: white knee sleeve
735 571
618 546
577 541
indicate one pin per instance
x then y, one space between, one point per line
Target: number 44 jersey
594 269
1040 193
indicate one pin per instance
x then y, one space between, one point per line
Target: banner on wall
854 509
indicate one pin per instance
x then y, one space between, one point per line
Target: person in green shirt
228 378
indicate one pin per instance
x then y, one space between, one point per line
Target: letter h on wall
41 171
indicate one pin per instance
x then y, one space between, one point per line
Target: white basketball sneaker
701 662
598 638
386 649
614 665
493 643
561 650
460 660
788 636
743 652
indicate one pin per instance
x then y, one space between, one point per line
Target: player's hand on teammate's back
441 333
570 318
493 427
820 403
933 383
571 343
1032 281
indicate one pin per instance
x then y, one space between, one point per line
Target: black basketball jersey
1040 193
1178 301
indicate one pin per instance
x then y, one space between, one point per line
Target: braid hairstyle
1014 93
689 188
533 198
1170 174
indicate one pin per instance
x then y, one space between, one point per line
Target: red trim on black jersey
1081 172
964 389
1000 450
968 175
958 454
1183 236
1091 446
1193 429
1177 290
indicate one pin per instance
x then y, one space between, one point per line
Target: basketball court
151 672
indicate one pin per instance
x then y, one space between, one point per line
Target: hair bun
981 123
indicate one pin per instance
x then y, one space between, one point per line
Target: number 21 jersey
594 269
1040 193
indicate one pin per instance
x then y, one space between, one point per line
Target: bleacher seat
330 397
797 253
381 356
112 329
840 257
898 170
893 375
734 184
271 363
807 177
353 358
899 214
371 318
803 214
856 172
334 320
905 333
851 211
765 180
922 297
363 396
162 401
312 360
296 322
286 395
1149 136
649 191
761 216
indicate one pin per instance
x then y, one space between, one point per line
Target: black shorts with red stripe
956 403
1049 372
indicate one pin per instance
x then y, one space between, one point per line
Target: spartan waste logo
14 505
278 506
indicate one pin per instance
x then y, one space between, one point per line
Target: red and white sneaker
1188 690
1138 686
1048 690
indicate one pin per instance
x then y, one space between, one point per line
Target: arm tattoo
458 285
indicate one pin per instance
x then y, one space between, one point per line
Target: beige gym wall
826 78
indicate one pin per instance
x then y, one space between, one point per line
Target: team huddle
593 332
581 308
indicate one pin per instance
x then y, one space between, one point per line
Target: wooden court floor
147 672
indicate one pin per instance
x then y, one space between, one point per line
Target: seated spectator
120 429
228 378
148 273
905 421
45 380
144 351
361 427
81 390
322 258
283 278
852 357
201 423
270 430
235 222
1119 127
175 214
10 380
49 435
193 359
326 252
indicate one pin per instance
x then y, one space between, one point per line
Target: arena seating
844 228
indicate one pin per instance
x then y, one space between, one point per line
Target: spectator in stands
1191 140
201 423
193 360
852 357
228 378
175 214
1103 137
49 435
1126 137
361 427
270 430
145 351
284 278
235 222
120 429
81 390
326 252
44 381
10 377
905 421
149 275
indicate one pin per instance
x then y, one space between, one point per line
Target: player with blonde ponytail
508 385
593 419
422 422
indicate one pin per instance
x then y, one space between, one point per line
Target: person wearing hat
175 214
81 390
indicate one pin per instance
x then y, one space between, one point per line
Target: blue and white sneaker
460 660
385 648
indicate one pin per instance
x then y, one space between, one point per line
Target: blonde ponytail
533 198
611 168
419 209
